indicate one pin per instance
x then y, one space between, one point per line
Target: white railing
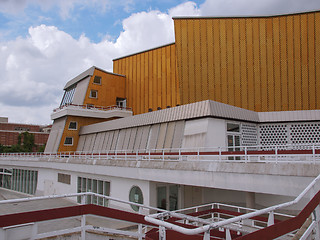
91 107
143 209
159 218
85 199
277 154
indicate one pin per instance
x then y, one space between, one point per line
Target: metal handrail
92 107
153 218
245 153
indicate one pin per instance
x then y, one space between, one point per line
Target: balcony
91 111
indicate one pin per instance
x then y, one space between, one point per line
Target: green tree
28 141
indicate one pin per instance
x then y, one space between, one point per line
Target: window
121 102
73 125
97 80
64 178
93 94
68 141
96 186
68 95
135 196
233 127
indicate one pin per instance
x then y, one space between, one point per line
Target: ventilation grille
249 135
275 134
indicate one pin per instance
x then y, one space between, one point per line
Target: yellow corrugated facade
151 79
257 63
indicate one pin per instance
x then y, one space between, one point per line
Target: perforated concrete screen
291 133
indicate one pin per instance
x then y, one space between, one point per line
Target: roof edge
86 73
245 16
143 51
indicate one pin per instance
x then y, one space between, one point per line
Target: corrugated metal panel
93 141
153 136
110 138
81 143
178 134
102 139
169 136
105 142
162 135
145 136
114 140
193 110
132 138
137 141
122 135
126 138
87 142
96 146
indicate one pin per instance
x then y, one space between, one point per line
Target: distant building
9 132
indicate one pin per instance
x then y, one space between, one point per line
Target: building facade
196 121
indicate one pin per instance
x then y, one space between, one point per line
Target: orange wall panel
257 63
151 79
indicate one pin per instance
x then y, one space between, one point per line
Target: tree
28 141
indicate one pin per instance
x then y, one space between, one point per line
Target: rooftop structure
228 113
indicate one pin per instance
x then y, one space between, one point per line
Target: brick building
9 132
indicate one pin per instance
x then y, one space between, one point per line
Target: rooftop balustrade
246 154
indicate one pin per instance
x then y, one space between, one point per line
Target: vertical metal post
219 153
314 154
228 235
271 218
34 231
140 226
3 234
162 233
315 214
276 152
83 229
206 235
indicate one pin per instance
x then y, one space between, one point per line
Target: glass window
121 102
135 196
73 126
97 80
68 95
233 127
68 141
93 94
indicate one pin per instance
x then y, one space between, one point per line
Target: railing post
34 231
276 152
316 213
246 154
162 154
3 234
162 233
219 153
206 235
228 234
140 225
314 153
271 218
83 229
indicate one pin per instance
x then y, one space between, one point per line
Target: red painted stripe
282 228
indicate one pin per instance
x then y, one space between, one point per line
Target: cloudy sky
45 43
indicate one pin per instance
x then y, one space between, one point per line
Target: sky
46 43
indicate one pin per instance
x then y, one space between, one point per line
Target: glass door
168 197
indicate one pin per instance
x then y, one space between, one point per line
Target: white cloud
36 68
254 7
